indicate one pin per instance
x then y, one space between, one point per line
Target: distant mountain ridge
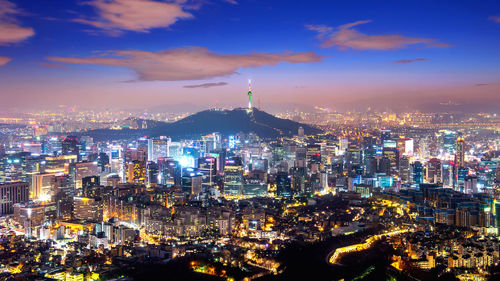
226 122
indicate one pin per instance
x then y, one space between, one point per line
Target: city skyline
144 54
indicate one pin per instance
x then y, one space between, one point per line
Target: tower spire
249 94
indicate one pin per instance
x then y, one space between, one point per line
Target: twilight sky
345 54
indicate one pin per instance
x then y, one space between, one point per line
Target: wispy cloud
10 30
206 85
232 2
4 60
409 61
346 37
495 19
193 63
115 16
51 65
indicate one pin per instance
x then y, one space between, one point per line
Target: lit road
334 258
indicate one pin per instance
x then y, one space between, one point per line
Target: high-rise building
460 155
416 169
91 181
404 169
88 209
393 155
153 173
433 171
313 154
62 195
170 172
233 177
385 135
12 193
158 148
301 132
13 167
192 180
70 146
136 172
449 141
83 170
283 185
33 215
208 167
447 174
41 186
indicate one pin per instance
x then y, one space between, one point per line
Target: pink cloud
206 85
51 65
193 63
495 19
346 37
10 31
116 16
4 60
409 61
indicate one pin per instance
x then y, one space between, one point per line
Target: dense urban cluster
229 206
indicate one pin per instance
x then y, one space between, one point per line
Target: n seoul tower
249 94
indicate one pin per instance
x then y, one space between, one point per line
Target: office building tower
433 171
153 173
393 155
208 167
284 185
91 181
71 146
12 193
460 155
447 174
192 180
13 167
33 215
404 169
41 186
385 135
449 141
233 177
83 170
62 195
90 209
158 148
136 172
384 166
170 172
416 172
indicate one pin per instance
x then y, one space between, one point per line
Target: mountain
226 122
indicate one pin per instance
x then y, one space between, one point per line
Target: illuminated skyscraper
448 140
284 185
433 171
460 156
12 193
70 146
88 209
158 148
136 172
233 177
416 172
208 167
152 173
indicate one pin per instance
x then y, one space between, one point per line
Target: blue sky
341 54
